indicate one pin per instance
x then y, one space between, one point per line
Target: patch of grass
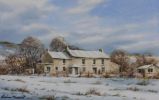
79 93
69 81
133 89
42 89
19 80
116 95
48 98
93 91
7 89
97 83
24 90
152 91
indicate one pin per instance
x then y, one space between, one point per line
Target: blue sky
131 25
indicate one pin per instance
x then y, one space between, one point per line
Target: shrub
22 90
93 91
153 91
48 98
3 70
19 80
17 89
69 81
133 89
106 75
97 83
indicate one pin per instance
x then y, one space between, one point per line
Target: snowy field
51 88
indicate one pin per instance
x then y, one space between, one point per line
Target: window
150 70
83 61
48 69
64 61
57 68
103 69
64 69
94 61
139 70
102 61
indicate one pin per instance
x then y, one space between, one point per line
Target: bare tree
143 59
31 49
121 58
59 44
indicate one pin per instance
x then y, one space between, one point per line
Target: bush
19 80
97 83
69 81
93 91
48 97
22 90
3 70
133 89
106 75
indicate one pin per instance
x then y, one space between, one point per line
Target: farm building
77 62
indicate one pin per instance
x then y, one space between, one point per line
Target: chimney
101 50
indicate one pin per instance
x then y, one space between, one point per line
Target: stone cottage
147 71
77 62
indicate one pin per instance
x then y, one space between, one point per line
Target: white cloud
84 6
49 36
35 26
25 4
91 39
141 46
22 17
46 20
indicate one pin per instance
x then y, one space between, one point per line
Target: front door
74 71
95 70
142 72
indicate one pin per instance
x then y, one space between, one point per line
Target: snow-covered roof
87 54
146 66
58 55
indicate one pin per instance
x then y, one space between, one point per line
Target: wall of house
108 66
46 58
153 73
111 67
57 65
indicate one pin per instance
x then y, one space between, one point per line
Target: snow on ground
67 88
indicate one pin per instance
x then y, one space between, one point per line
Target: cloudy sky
132 25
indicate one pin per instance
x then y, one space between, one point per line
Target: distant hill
7 48
8 44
